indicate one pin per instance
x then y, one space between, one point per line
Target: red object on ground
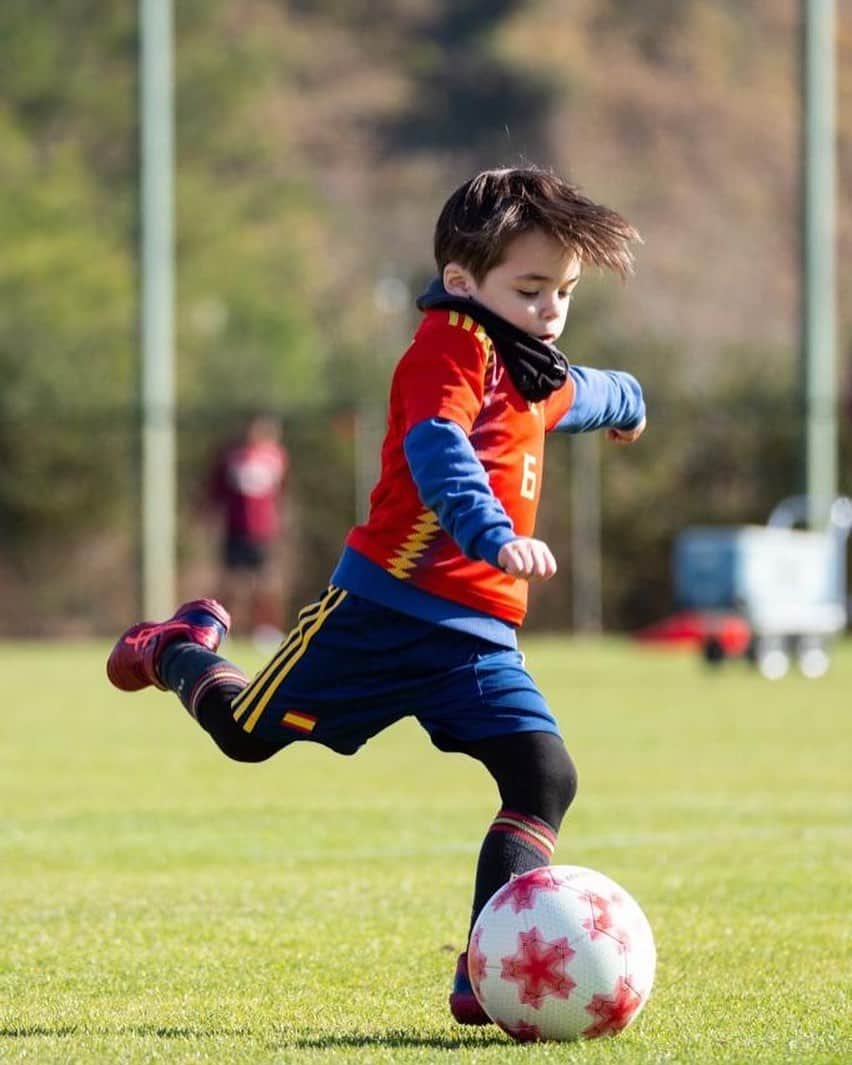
695 628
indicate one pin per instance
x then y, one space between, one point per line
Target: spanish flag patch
299 720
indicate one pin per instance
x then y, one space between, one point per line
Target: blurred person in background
247 487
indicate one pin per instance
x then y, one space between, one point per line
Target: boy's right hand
527 559
626 436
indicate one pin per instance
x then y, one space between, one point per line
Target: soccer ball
561 953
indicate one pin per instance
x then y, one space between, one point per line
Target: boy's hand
527 559
626 436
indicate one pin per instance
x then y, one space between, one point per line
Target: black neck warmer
536 368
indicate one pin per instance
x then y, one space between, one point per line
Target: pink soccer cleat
464 1004
133 661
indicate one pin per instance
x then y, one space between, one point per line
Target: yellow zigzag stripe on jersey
425 528
310 621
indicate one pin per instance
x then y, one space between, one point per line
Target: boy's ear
458 280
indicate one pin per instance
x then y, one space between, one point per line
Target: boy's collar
536 368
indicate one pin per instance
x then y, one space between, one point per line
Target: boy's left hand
527 559
626 436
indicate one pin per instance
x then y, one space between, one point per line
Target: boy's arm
453 483
603 399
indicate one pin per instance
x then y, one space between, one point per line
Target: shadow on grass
397 1037
37 1031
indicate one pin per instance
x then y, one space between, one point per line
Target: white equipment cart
787 583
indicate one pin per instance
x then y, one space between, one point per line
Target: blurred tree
465 96
316 142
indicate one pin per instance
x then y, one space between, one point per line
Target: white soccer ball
561 953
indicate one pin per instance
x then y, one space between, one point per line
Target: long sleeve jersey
461 472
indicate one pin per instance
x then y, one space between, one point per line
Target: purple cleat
464 1004
133 661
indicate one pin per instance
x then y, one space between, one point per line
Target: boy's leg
537 781
206 685
179 655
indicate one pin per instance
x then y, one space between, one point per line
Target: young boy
421 613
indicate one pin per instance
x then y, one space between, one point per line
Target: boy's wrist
633 423
488 543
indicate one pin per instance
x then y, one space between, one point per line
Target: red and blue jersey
461 473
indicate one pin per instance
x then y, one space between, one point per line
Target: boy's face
531 287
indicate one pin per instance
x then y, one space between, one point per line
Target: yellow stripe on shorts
306 615
311 620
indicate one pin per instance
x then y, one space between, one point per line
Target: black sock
206 685
201 679
514 844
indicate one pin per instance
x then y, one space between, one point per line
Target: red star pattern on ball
522 1032
539 968
476 960
613 1013
603 920
521 891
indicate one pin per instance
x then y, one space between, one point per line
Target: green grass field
160 903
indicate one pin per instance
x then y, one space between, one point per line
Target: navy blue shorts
351 667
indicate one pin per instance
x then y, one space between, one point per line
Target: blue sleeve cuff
453 483
487 545
603 399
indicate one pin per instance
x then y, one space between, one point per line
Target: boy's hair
490 210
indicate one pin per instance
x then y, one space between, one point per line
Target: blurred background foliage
316 142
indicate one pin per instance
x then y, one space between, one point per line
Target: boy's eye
527 295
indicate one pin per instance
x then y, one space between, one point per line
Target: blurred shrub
298 169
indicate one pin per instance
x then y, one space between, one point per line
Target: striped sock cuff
224 675
530 830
